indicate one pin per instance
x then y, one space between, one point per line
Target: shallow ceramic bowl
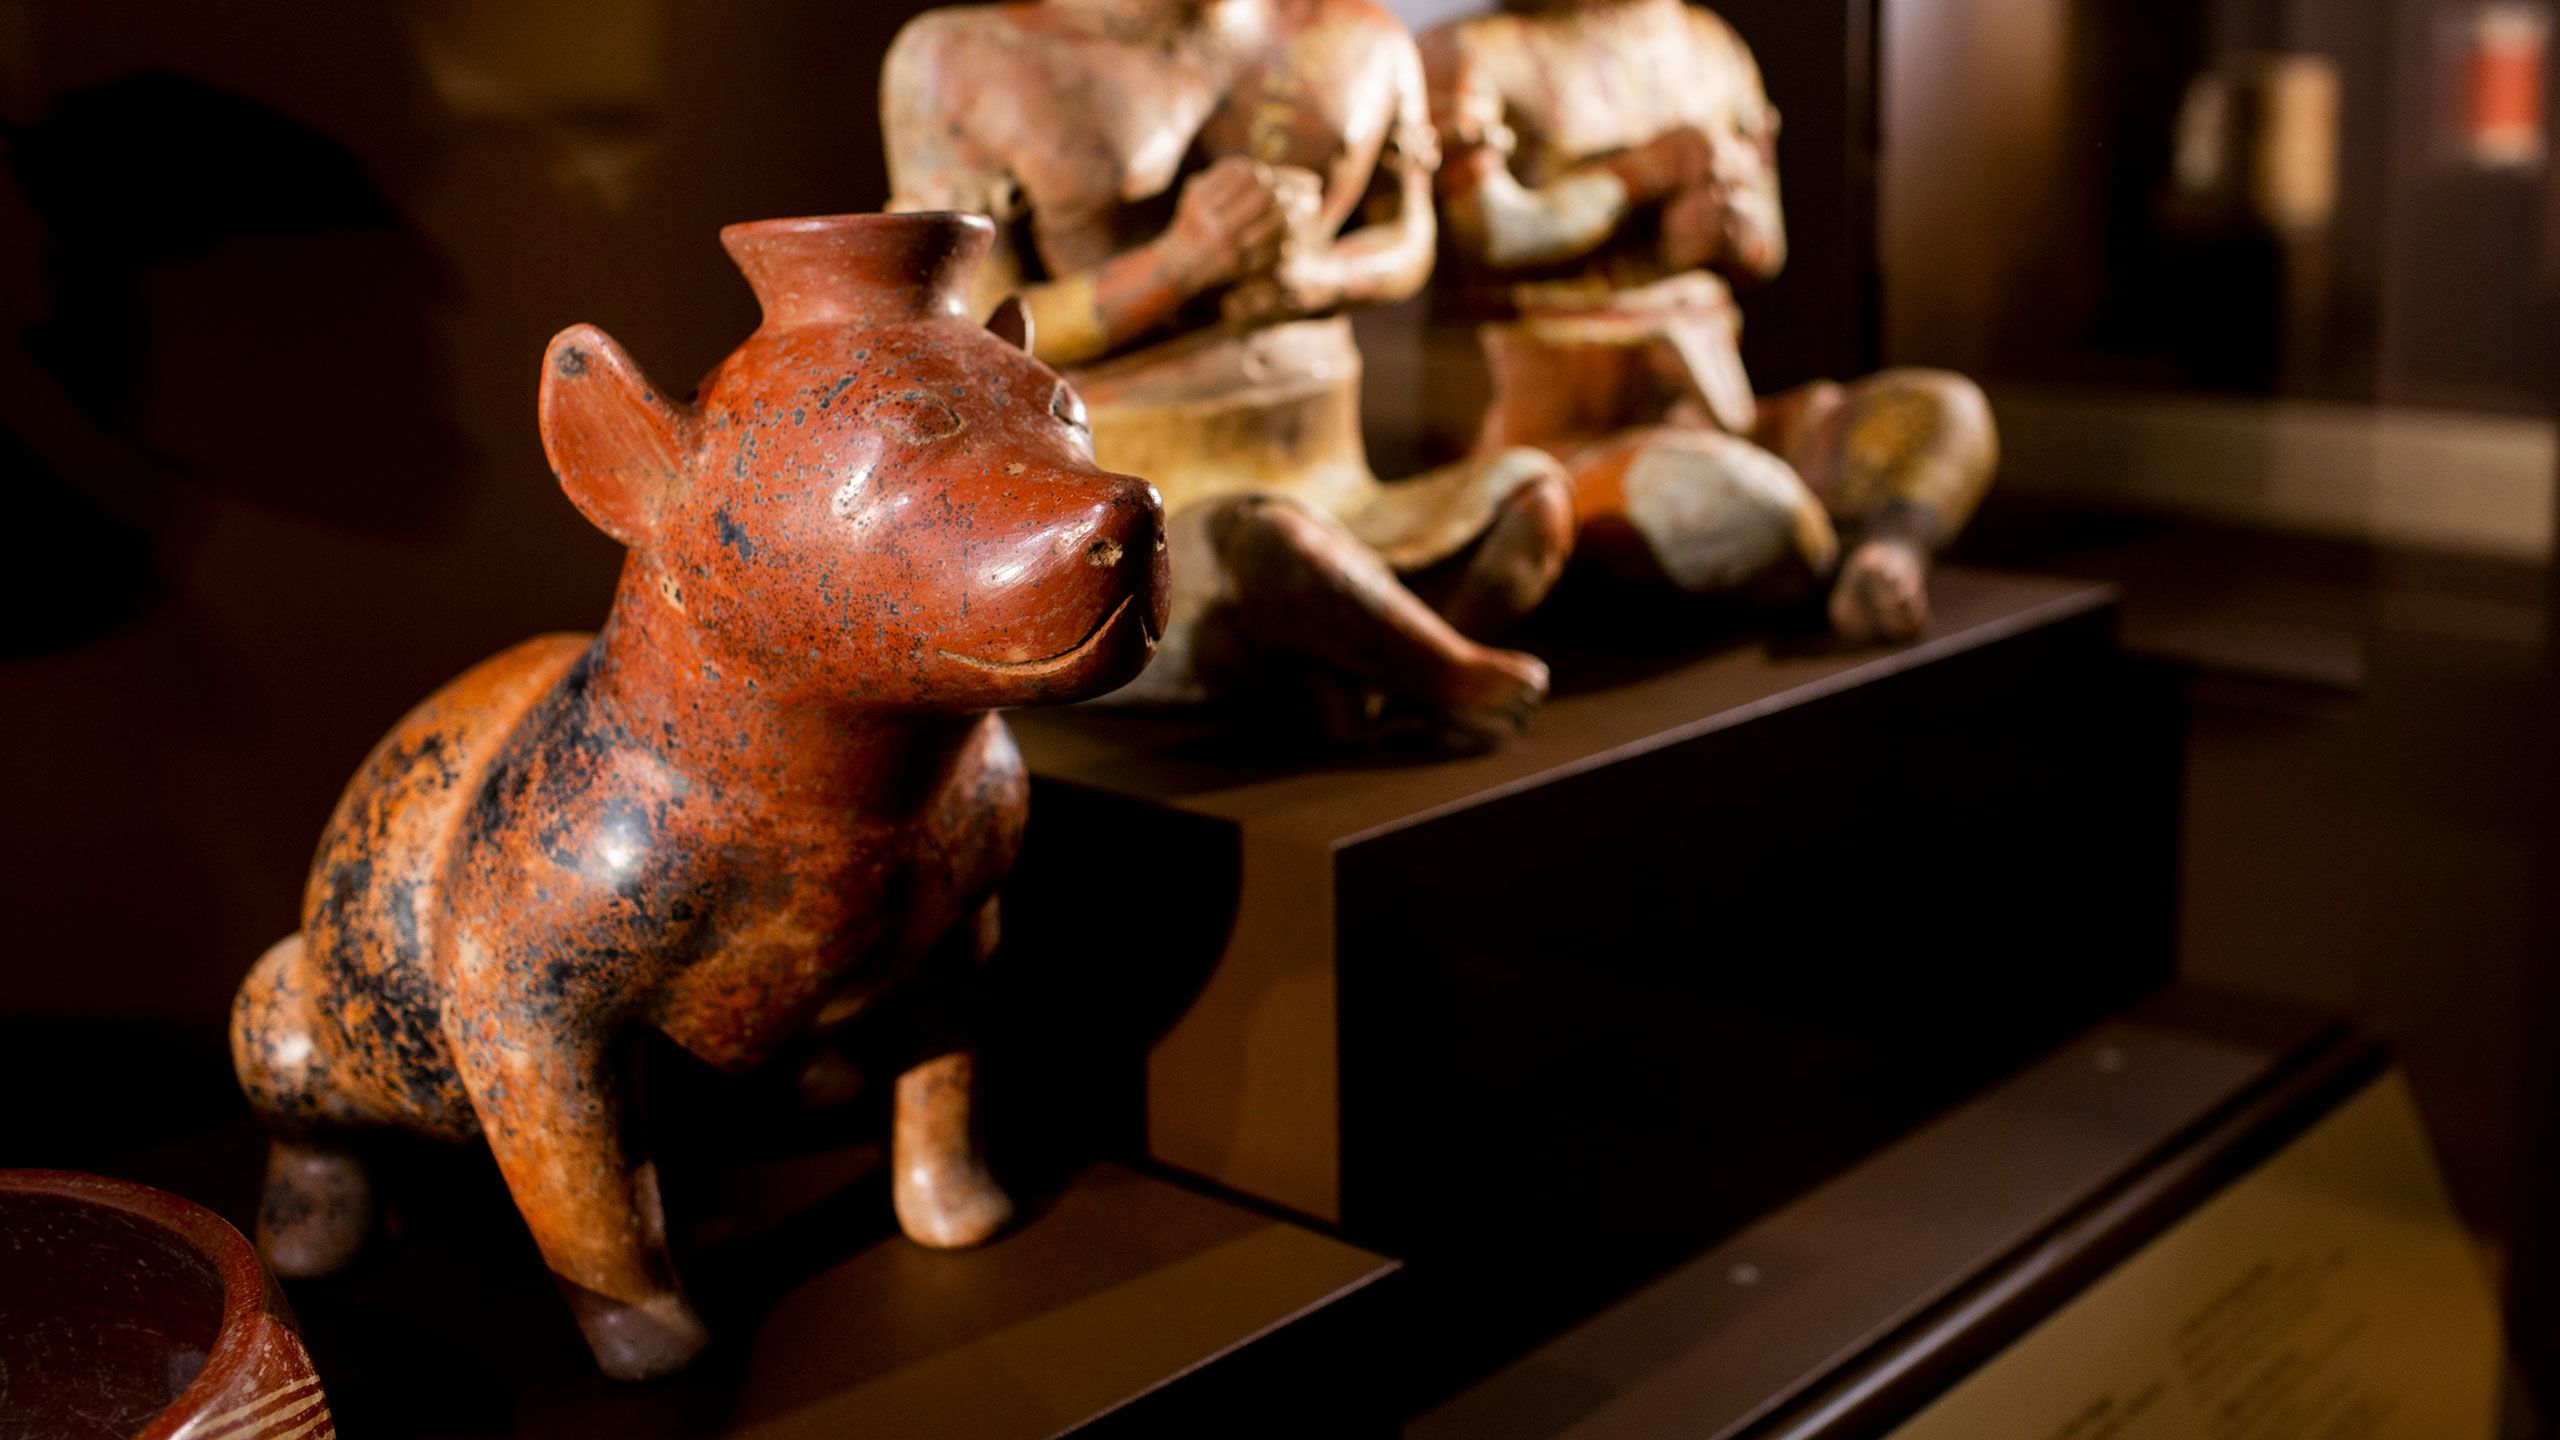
127 1313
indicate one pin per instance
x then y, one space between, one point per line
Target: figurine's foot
657 1336
317 1210
1520 557
950 1204
830 1081
939 1182
1489 697
1882 593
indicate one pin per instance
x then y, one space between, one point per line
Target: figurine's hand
1304 278
1302 285
1696 226
1669 164
1230 222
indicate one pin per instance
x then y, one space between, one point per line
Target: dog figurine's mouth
1066 659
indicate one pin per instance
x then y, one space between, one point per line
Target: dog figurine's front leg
552 1100
946 1197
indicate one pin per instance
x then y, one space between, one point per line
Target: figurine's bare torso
1580 84
1318 85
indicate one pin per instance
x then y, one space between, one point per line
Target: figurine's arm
1389 259
1389 256
1227 222
1729 216
934 164
1225 219
1510 225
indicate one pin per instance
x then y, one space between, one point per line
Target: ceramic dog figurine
769 791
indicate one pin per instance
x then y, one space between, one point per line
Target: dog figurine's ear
1011 323
615 440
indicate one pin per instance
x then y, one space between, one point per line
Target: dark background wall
274 280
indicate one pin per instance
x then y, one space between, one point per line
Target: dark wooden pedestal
1122 1305
1719 925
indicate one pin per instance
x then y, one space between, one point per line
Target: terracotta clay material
768 794
1609 163
127 1313
1188 194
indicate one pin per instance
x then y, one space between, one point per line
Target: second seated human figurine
1608 162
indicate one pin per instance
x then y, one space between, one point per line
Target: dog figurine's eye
1069 408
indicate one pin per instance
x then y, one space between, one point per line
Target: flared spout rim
869 269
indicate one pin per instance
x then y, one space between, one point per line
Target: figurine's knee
1537 507
1958 414
1278 557
1703 511
1252 533
1523 553
276 1046
1919 439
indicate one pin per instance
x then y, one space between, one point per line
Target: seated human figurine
770 799
1188 195
1608 162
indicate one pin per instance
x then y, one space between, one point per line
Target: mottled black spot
343 895
731 536
558 716
573 362
401 897
434 749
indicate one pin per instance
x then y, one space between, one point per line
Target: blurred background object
2076 193
2264 294
2495 60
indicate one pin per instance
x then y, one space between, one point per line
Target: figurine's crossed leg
1300 586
